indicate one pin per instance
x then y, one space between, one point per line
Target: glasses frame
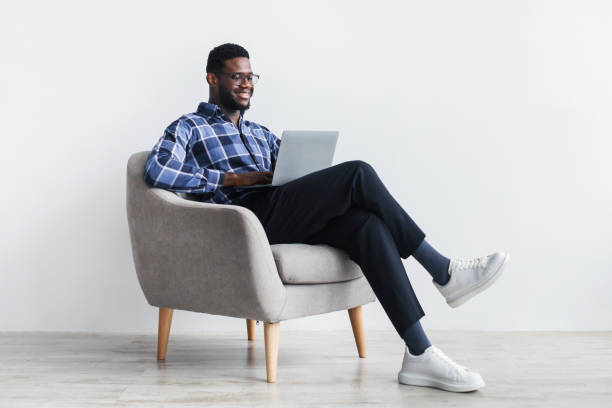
243 77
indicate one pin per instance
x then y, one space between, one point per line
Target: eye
235 77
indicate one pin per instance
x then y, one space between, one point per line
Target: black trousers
348 207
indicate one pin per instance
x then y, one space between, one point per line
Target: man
215 151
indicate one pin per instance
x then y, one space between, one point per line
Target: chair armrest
202 257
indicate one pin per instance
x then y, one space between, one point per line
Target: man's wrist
229 179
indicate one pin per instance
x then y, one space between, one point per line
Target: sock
435 263
416 339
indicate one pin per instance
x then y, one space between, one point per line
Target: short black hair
218 56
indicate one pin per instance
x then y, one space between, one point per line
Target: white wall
488 120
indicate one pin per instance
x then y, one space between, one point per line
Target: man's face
235 95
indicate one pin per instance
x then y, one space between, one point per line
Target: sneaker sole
482 286
408 379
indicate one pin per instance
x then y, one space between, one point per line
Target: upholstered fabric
307 300
303 264
216 258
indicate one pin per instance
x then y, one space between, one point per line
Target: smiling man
214 151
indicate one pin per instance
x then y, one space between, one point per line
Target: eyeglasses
239 78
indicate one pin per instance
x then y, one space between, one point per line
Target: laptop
301 152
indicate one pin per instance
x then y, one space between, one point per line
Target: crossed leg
347 206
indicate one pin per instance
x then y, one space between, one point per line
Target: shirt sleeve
274 144
166 167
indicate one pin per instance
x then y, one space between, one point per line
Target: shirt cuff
215 180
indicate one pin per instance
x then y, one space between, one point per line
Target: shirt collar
210 109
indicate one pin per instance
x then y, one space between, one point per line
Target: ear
211 79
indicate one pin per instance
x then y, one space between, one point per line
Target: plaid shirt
198 148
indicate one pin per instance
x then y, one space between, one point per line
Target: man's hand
248 178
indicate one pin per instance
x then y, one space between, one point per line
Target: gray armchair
216 259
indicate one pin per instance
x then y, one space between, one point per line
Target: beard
227 100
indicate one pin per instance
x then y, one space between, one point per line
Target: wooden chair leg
250 329
163 332
271 341
357 323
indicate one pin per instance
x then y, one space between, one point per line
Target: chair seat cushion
309 264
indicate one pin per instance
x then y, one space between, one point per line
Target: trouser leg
368 241
295 211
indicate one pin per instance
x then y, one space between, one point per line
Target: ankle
442 279
416 340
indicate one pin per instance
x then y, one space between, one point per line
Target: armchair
216 259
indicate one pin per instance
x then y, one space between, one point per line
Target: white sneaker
469 278
434 369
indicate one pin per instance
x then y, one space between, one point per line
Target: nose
245 87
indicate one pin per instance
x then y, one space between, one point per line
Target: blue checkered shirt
198 148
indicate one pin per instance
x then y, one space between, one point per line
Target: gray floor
556 369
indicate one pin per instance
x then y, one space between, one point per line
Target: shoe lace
467 264
440 354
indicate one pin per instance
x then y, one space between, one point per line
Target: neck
234 115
